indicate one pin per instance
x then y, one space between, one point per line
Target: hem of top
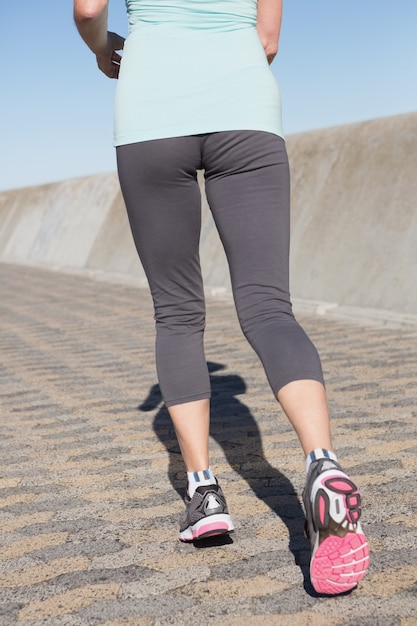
184 399
180 131
145 28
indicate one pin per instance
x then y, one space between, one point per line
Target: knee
181 318
264 312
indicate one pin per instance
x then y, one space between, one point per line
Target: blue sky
339 62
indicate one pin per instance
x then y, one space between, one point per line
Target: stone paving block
134 621
70 580
9 524
368 608
90 547
288 601
254 587
377 621
249 566
305 618
408 520
192 559
155 606
391 582
47 571
160 583
215 611
124 558
9 501
69 601
147 556
24 546
6 483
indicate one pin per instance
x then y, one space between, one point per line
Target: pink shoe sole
208 527
210 530
339 563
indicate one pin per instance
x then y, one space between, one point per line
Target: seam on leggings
192 398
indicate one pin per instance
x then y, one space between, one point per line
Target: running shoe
340 551
206 514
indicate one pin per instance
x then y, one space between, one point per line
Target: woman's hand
90 18
109 60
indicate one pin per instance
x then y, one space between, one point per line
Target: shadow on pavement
235 429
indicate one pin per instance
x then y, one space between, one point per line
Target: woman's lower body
247 187
248 190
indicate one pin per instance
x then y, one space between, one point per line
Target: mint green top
191 67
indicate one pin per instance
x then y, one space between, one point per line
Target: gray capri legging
248 190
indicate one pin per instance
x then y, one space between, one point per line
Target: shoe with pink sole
206 514
340 551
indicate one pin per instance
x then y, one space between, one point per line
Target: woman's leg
247 185
305 404
159 184
192 423
162 196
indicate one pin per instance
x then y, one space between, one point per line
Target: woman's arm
269 26
90 17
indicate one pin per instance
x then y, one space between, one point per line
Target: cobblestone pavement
91 479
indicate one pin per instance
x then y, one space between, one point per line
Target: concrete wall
354 220
354 233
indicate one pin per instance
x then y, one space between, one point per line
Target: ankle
199 479
317 454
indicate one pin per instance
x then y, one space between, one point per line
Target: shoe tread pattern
342 556
339 563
